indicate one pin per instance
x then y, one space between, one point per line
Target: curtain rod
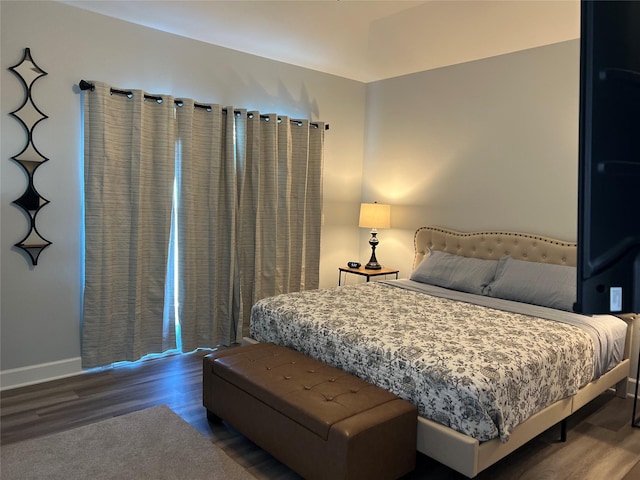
84 85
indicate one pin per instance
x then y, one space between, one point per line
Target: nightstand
365 272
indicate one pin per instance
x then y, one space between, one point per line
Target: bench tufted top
305 390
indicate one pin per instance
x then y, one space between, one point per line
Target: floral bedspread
475 369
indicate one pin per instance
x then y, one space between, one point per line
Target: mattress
475 364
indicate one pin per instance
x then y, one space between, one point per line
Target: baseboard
43 372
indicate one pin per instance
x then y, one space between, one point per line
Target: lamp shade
375 215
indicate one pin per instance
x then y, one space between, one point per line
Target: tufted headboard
494 245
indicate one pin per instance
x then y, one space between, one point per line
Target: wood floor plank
634 473
601 442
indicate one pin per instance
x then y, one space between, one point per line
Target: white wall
41 306
489 144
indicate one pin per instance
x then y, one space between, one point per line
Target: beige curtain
208 292
280 208
245 221
261 180
129 171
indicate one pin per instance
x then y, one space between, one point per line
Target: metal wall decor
29 115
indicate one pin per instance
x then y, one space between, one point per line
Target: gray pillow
542 284
466 274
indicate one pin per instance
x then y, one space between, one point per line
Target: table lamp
374 216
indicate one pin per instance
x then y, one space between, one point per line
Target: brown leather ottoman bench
320 421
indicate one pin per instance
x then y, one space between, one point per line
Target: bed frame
461 452
466 454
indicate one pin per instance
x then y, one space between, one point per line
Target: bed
480 338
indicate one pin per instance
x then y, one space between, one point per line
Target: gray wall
41 306
489 144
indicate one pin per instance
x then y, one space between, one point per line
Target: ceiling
358 39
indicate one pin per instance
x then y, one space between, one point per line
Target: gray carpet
150 444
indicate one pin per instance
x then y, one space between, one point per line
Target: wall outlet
615 299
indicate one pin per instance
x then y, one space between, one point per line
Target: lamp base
373 266
373 261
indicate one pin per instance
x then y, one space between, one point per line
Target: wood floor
601 443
